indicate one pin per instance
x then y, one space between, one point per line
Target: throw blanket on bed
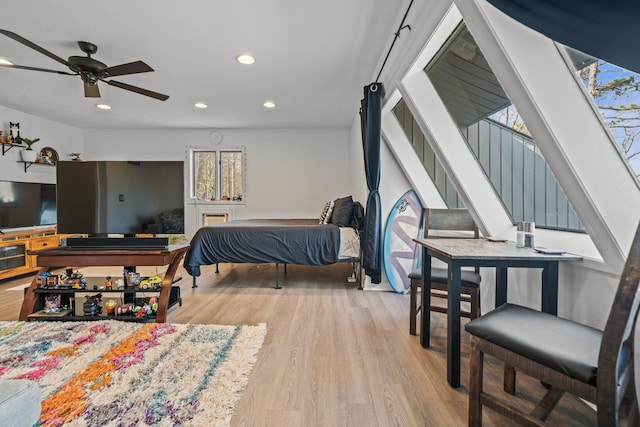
286 241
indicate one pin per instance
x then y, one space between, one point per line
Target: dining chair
565 356
446 223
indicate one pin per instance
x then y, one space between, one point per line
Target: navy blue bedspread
286 241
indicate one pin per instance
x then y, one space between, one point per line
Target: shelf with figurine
74 281
46 157
12 140
9 143
57 299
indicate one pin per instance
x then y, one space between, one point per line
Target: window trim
218 150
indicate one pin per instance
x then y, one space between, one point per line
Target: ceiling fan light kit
90 70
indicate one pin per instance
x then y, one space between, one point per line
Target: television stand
56 258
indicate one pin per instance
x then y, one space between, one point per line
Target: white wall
291 173
62 138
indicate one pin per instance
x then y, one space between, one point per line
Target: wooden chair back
449 220
449 224
613 378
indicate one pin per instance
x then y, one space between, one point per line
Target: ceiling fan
90 70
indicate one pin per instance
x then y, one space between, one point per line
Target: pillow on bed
326 213
342 211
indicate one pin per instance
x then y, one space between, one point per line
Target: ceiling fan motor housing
86 63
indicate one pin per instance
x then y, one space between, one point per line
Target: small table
50 259
458 253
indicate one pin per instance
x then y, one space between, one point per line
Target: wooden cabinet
14 247
44 242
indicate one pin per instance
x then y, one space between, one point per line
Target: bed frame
356 272
270 241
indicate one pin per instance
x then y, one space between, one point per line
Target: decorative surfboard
401 255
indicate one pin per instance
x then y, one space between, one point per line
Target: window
427 156
217 175
616 94
497 135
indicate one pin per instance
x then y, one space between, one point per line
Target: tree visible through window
217 175
616 93
204 175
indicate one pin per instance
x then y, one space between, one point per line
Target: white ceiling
313 59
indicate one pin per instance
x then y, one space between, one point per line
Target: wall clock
215 137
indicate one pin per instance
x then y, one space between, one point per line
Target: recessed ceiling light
269 104
200 105
5 62
103 106
245 59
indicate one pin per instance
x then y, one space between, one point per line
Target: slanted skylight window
497 135
615 92
427 156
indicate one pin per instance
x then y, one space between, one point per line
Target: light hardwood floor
334 355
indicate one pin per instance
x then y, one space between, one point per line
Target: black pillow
357 220
342 211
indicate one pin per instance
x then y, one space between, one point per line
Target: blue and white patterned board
401 255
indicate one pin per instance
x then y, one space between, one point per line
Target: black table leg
550 288
425 297
501 286
453 325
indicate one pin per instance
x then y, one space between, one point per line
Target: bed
279 241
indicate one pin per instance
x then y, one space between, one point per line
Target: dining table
493 253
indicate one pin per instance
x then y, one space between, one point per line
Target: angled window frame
438 126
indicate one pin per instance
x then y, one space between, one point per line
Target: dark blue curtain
370 115
605 29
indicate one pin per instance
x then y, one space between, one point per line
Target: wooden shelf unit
68 294
54 258
15 259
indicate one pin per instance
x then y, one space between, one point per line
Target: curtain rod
397 35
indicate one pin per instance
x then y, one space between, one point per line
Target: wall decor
14 133
49 155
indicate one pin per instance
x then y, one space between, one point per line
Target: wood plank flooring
334 355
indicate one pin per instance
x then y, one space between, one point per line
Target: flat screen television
26 204
120 197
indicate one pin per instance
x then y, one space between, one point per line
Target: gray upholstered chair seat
468 278
560 344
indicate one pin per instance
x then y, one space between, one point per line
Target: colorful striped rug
129 374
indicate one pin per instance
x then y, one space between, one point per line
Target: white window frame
218 150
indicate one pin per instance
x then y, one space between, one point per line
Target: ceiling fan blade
34 46
129 68
136 89
91 90
24 67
